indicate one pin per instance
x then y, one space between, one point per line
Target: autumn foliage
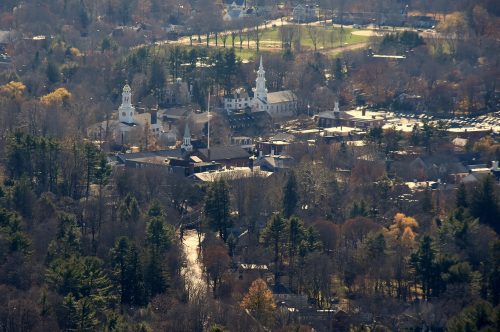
259 300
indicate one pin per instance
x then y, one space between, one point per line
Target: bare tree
313 33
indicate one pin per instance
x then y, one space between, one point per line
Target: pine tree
274 236
159 238
424 263
127 270
290 195
484 203
296 234
217 204
461 197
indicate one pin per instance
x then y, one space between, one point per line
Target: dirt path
367 33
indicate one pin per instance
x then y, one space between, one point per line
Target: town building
305 13
229 156
358 118
130 126
237 11
278 104
240 100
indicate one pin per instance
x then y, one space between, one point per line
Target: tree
290 195
259 301
159 238
216 261
274 236
338 73
476 317
313 33
401 238
484 203
52 71
127 272
296 234
461 197
423 262
67 241
85 287
217 204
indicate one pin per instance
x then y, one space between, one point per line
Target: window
123 113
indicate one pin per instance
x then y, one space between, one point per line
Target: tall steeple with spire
186 140
260 83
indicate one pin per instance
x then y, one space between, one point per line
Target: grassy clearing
329 40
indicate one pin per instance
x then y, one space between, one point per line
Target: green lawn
329 40
326 37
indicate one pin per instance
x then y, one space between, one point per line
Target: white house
235 11
305 13
239 100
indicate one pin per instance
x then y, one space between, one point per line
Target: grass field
329 40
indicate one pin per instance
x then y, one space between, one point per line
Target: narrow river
193 271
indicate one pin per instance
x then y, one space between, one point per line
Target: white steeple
126 111
336 110
186 140
260 83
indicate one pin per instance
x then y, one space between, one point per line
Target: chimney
363 112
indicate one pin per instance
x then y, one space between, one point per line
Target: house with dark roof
229 156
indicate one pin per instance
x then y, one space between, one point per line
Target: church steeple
186 140
260 83
126 111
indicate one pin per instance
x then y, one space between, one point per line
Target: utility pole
208 126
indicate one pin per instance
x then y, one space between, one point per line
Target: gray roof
281 97
4 36
224 152
149 154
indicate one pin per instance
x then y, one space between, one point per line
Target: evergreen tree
127 270
52 72
338 73
461 197
157 76
296 234
67 241
476 317
274 237
424 263
484 203
217 205
159 238
290 195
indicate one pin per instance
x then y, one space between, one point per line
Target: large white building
278 104
130 126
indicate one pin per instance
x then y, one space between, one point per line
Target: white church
278 104
130 125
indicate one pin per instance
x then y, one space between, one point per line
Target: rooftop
230 174
281 97
224 152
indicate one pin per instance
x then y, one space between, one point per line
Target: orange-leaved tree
259 301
